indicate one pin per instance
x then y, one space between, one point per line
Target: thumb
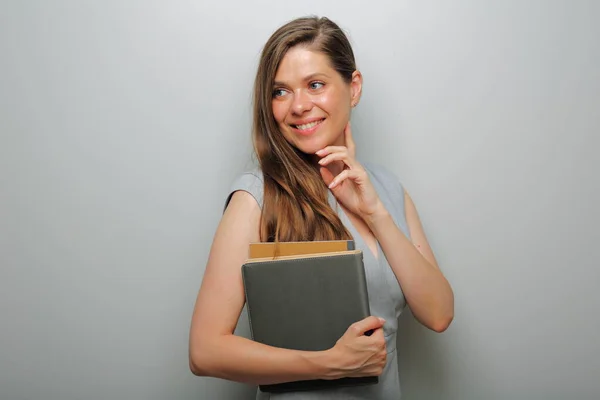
368 325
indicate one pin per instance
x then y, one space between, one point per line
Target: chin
311 146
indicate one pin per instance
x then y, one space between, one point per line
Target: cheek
324 102
332 103
279 110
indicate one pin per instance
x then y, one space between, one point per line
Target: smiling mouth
310 125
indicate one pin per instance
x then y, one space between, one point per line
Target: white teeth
309 125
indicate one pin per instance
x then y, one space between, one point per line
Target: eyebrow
307 78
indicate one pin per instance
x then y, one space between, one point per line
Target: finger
326 175
341 156
374 338
342 176
349 139
375 333
378 335
370 323
330 149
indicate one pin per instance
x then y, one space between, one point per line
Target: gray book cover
306 303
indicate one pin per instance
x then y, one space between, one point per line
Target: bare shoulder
241 211
239 226
221 295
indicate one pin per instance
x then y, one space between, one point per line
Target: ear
355 88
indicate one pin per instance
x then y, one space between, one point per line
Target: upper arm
221 296
417 233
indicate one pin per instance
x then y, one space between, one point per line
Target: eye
278 92
316 85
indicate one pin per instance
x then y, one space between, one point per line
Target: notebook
306 302
270 249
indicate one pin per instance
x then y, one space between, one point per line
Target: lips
307 126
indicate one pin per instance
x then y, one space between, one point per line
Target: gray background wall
123 122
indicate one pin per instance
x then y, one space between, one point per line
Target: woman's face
311 100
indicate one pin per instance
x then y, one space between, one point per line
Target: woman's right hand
358 354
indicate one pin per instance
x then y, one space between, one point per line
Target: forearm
242 360
425 288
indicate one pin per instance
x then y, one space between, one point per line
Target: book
306 302
271 249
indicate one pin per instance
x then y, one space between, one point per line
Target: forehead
299 63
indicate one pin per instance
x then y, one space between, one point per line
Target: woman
306 85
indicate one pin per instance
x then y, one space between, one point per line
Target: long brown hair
295 201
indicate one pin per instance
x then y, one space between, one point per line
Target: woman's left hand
351 187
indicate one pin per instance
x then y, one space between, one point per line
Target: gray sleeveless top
385 296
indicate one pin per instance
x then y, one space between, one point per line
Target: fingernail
382 320
331 185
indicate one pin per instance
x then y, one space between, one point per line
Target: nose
302 102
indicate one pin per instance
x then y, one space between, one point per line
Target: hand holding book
355 354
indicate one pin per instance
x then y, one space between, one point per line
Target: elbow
205 355
196 369
442 323
196 366
199 360
441 326
445 315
